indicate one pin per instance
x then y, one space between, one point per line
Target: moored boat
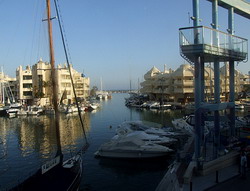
150 138
187 123
34 110
56 174
131 148
149 128
239 106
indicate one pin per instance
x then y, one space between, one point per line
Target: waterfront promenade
232 184
220 174
228 179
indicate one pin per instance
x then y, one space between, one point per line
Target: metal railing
212 37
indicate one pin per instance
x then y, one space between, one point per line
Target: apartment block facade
24 85
81 85
34 84
8 88
178 85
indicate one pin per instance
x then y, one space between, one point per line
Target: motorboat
34 110
187 123
22 112
157 105
93 106
3 110
12 112
71 109
149 128
131 148
141 135
245 120
239 106
49 111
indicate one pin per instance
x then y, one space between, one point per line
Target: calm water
27 142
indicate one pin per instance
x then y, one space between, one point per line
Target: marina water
28 142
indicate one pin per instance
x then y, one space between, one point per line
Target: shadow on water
128 174
130 166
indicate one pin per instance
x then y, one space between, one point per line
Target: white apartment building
24 85
42 92
65 89
178 85
8 91
34 85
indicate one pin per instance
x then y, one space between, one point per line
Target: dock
183 175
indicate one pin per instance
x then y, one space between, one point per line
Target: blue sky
113 40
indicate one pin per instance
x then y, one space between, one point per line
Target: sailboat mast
53 78
2 83
101 84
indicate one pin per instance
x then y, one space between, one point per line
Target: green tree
93 91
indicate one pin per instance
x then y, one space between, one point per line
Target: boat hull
3 112
126 154
64 177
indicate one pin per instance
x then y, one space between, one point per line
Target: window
27 85
29 93
27 77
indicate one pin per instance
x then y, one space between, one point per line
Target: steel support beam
240 7
197 112
231 73
197 65
216 80
196 13
216 112
202 95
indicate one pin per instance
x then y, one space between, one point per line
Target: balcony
188 82
183 90
212 44
159 91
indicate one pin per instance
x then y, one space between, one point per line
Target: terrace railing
211 43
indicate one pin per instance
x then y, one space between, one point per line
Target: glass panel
209 36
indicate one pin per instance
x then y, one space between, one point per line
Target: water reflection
27 142
163 117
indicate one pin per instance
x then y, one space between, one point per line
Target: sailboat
9 107
102 94
56 174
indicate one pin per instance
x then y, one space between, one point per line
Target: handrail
184 28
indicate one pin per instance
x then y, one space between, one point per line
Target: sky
113 41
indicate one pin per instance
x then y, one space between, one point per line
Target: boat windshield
191 120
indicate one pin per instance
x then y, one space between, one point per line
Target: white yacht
141 135
22 112
132 148
34 110
93 106
187 123
149 128
243 121
71 109
239 106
